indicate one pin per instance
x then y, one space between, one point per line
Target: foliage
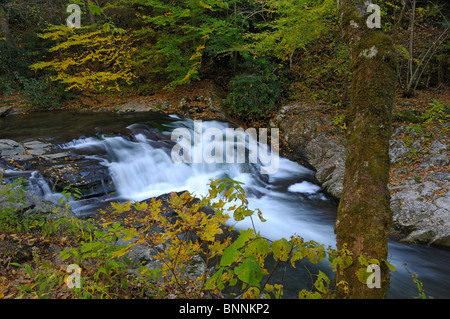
438 112
296 24
254 95
142 46
38 91
339 121
44 278
176 34
11 215
93 58
16 77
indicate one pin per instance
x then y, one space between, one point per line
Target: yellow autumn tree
95 58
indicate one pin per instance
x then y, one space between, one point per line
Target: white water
286 198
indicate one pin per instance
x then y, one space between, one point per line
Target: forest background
258 54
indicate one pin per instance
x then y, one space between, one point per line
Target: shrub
438 111
253 96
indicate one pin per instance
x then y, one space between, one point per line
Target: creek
135 149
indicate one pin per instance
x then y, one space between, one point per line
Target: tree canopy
151 45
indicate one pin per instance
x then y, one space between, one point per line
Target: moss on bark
364 214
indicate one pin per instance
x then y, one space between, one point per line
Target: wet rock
25 201
314 143
89 176
152 136
60 169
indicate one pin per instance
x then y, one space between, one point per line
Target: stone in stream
88 175
10 147
60 169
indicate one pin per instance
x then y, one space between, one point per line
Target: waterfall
142 167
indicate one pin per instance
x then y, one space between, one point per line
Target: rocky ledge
420 200
60 169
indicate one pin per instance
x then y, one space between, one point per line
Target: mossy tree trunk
364 214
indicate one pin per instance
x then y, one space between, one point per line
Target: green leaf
304 294
320 282
215 278
390 266
362 275
363 260
232 253
28 269
249 271
95 9
374 261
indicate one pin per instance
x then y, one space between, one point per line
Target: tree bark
91 16
364 214
4 25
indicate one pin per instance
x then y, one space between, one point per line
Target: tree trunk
4 25
91 16
409 92
364 214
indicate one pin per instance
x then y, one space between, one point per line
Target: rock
141 106
36 147
195 268
4 112
26 151
8 110
62 169
440 160
405 103
29 203
421 214
421 236
397 150
87 175
10 147
152 136
56 156
314 143
436 147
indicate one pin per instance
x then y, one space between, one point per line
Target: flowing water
136 149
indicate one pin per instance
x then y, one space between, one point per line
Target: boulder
10 148
88 175
312 140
